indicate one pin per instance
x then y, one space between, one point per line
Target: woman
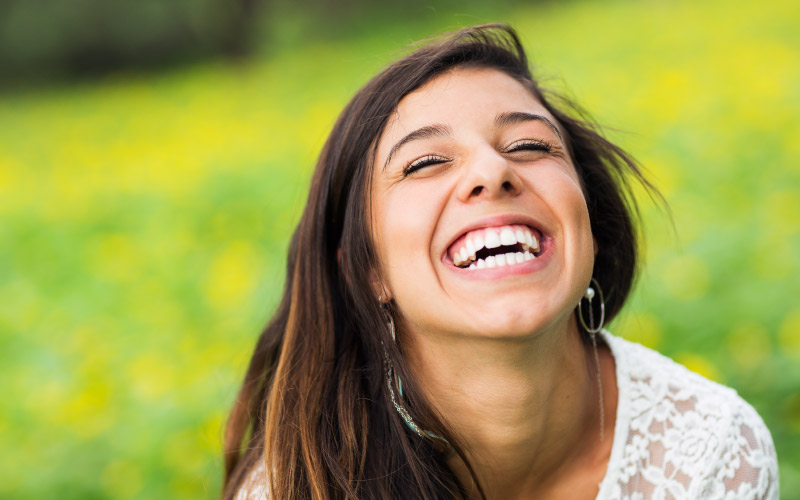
439 336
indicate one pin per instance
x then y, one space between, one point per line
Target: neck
525 411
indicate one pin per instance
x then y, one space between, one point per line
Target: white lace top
678 436
681 436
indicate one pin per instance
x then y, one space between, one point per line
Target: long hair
314 411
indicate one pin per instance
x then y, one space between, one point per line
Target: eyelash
530 145
423 162
524 145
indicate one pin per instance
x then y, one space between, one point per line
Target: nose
488 176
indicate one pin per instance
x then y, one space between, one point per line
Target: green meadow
144 220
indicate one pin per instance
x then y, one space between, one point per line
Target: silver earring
392 379
593 330
589 295
391 326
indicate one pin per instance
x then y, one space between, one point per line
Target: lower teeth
508 259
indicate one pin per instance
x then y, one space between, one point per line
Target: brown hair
314 408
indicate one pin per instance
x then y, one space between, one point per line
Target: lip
546 244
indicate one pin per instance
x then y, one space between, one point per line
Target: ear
379 288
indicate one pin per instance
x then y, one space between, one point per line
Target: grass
144 220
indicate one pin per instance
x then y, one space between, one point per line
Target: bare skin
518 450
497 349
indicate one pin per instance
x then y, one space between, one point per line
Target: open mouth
497 246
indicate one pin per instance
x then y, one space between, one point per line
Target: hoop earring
392 378
589 295
593 331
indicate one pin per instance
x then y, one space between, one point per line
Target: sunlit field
144 219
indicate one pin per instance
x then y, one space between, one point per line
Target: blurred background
155 156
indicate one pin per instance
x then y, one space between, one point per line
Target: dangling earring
592 331
390 380
391 377
589 295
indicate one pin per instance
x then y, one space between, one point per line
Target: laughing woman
440 335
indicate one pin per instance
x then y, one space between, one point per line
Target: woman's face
479 220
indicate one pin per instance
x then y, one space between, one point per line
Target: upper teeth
493 237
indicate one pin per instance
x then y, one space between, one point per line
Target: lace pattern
680 436
254 486
677 436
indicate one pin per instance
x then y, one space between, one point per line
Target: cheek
404 222
560 187
585 245
570 204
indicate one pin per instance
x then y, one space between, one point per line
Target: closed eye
529 145
423 162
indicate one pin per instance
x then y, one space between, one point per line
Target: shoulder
685 435
254 485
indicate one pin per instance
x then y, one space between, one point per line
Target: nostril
476 191
508 187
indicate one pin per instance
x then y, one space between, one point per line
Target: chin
514 324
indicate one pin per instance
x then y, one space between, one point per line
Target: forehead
458 97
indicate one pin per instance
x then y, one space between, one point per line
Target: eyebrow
515 117
420 133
